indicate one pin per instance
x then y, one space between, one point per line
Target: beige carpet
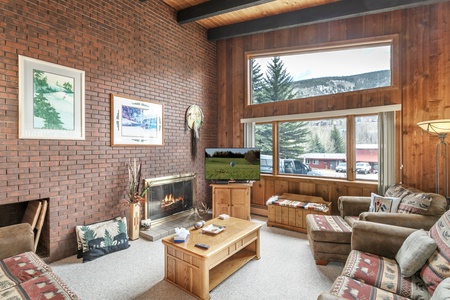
286 270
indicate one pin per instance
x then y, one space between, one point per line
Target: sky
334 62
52 79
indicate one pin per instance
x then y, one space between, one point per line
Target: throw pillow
397 190
103 238
79 238
383 204
436 269
414 252
415 204
442 292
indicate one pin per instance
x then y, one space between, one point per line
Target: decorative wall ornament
194 121
51 101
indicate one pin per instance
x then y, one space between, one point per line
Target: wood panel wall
423 90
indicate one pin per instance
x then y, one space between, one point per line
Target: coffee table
197 270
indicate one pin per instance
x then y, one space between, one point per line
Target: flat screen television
232 164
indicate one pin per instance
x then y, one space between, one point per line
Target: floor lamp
440 128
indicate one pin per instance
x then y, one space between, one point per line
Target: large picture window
319 71
353 143
319 147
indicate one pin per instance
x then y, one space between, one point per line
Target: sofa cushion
437 267
103 238
442 291
349 288
397 190
16 239
383 273
383 204
414 252
417 203
351 220
19 268
44 286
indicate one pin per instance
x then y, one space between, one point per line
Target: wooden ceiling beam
213 8
328 12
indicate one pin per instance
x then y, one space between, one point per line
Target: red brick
154 59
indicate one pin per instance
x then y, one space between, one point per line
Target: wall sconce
440 128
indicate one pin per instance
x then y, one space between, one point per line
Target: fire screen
169 195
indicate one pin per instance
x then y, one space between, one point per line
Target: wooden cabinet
232 199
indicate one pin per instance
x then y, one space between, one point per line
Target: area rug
286 270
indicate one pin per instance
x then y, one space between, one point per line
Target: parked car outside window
363 167
342 167
294 166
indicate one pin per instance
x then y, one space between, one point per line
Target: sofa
330 236
23 274
26 276
15 239
393 262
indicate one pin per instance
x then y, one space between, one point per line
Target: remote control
202 246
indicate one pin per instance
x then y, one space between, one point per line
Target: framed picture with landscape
51 101
135 122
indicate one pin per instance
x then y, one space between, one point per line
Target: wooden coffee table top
235 229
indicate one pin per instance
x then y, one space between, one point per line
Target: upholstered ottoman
329 238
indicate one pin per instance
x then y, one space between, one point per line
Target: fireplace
169 195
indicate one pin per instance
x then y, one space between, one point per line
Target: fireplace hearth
169 195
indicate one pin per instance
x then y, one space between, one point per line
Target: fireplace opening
14 213
169 195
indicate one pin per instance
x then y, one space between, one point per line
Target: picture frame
51 101
135 122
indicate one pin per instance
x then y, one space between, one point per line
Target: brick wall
130 48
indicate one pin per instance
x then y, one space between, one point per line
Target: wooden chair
32 213
35 216
40 223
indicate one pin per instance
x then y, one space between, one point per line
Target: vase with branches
134 196
134 192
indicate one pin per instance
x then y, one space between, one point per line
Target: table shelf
222 271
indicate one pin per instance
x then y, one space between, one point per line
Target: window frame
249 138
392 40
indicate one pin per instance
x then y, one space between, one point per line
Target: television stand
230 181
232 199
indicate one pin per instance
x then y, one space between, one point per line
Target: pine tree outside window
303 74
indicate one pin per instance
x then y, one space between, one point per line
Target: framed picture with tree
51 101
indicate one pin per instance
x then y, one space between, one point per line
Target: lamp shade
435 126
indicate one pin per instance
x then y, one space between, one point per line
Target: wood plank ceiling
230 18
